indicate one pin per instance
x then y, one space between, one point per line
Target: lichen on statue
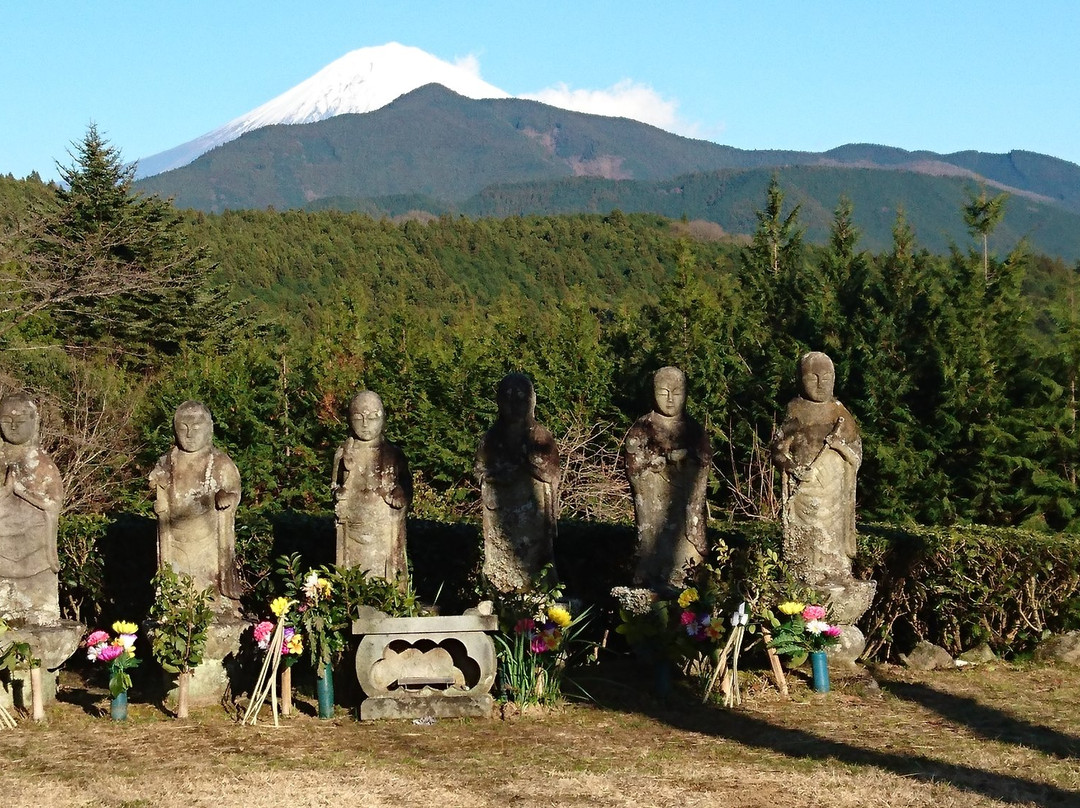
668 457
517 467
372 491
31 497
196 490
818 449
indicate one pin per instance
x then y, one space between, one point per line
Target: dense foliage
962 373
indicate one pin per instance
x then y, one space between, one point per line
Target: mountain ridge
437 144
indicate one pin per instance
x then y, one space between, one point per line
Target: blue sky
944 76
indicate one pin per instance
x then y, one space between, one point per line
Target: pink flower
814 613
832 631
525 625
538 646
686 618
262 632
109 653
96 637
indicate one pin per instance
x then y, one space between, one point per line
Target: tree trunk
37 705
183 682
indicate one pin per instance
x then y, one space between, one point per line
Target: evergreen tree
982 213
110 267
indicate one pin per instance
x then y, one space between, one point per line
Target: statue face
367 417
194 430
515 400
670 392
818 378
17 423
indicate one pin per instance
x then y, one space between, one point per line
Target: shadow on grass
988 722
687 714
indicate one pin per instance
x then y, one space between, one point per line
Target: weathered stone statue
372 491
30 501
668 457
31 497
197 489
517 467
818 449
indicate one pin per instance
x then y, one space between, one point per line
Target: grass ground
991 735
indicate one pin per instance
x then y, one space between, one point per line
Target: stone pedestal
848 601
419 667
53 645
210 681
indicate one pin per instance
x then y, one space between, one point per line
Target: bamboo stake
774 662
37 703
7 720
267 681
183 683
286 692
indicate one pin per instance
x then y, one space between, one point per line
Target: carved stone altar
419 667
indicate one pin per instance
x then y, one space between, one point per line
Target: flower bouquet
270 637
118 652
290 648
805 631
536 644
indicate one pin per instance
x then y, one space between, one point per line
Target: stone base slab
431 705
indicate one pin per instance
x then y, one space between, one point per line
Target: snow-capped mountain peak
361 81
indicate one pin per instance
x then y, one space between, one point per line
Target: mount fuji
360 81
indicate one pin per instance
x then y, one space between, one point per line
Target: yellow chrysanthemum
279 606
791 607
124 627
687 597
559 616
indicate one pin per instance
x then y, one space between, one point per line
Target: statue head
817 376
367 416
669 391
18 419
516 397
193 427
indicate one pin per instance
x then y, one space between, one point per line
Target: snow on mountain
361 81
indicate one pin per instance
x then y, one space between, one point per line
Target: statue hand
395 497
225 499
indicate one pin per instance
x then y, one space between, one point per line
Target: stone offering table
421 667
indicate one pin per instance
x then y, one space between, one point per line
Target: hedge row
955 586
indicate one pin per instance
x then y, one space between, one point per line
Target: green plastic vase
324 689
819 664
118 707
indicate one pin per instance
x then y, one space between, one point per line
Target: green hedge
959 586
955 586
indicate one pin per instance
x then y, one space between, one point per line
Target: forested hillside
960 367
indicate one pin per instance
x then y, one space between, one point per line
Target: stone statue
197 489
668 457
517 467
30 503
372 492
818 450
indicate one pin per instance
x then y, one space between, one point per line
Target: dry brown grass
997 735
